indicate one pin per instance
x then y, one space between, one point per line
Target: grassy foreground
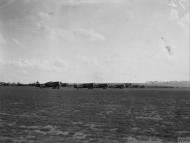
34 115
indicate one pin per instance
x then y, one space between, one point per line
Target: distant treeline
57 85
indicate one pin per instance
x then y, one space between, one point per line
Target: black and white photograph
94 71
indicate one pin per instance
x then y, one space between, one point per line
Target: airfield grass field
34 115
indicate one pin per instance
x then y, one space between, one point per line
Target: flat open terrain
33 115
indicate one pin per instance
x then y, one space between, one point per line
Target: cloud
45 15
73 34
45 23
2 44
172 4
2 40
184 22
178 4
55 34
174 15
88 34
4 3
51 69
76 2
179 13
43 20
36 64
181 3
18 43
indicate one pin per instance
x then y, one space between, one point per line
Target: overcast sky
94 40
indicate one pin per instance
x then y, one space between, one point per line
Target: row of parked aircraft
57 85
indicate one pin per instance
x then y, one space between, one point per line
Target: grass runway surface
34 115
